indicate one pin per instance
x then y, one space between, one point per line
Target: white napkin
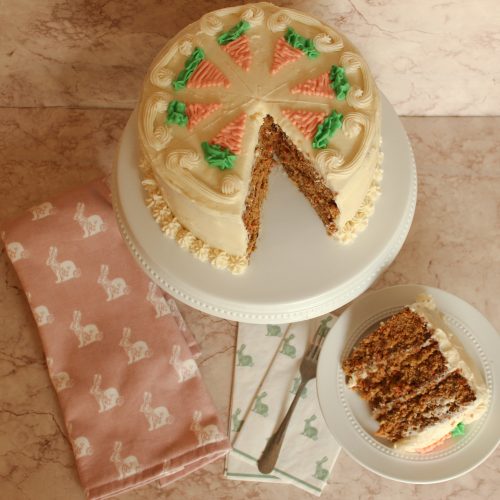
266 373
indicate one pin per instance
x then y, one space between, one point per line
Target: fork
308 367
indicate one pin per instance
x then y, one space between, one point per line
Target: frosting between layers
348 165
456 359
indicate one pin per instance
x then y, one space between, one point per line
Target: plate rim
386 465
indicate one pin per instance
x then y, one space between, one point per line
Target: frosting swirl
358 97
171 228
183 158
184 238
200 250
163 135
237 264
279 21
329 160
353 123
328 43
162 77
156 135
211 24
220 259
231 184
253 15
186 47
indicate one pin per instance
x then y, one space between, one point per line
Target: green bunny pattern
236 421
324 328
310 431
260 407
294 389
286 348
244 359
321 473
273 331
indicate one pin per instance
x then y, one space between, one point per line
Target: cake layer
399 337
445 400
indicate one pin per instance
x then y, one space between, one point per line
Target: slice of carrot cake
417 379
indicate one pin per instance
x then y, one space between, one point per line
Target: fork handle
269 456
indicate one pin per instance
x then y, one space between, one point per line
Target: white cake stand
297 271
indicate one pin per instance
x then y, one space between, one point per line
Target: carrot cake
417 379
233 94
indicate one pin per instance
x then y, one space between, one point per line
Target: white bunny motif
42 315
156 417
61 380
186 369
93 224
135 351
108 398
167 468
86 334
82 447
114 288
65 270
161 306
208 434
174 311
43 210
16 251
127 466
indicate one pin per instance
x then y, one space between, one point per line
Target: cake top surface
207 92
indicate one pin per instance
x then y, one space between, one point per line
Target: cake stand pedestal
297 271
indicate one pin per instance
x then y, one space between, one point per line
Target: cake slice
417 378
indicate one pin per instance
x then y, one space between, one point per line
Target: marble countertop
55 133
453 245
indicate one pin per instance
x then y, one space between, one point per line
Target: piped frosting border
359 222
172 228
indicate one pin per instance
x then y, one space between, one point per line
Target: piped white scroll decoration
160 75
358 97
152 128
211 24
253 16
328 43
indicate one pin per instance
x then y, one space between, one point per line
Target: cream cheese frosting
237 84
457 359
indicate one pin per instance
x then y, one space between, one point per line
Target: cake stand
297 271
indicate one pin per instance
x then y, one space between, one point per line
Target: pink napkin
118 352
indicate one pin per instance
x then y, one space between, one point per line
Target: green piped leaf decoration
459 430
235 32
326 129
189 66
339 82
176 113
297 41
217 156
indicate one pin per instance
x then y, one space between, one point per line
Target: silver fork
308 367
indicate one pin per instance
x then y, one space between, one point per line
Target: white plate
297 271
348 416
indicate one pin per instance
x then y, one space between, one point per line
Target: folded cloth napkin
118 353
266 377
